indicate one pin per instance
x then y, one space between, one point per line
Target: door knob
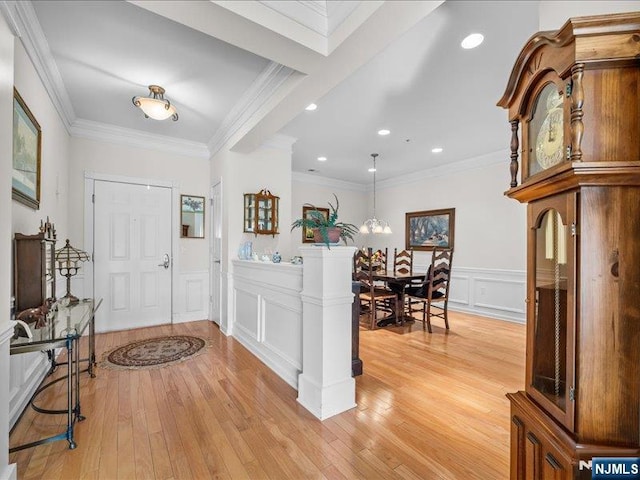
165 262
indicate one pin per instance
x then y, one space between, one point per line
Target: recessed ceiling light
372 169
436 150
322 159
472 41
311 107
311 170
384 132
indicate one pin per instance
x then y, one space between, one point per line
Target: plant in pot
326 229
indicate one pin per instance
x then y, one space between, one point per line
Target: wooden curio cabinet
34 268
261 213
574 101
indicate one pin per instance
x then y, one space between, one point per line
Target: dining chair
432 297
374 298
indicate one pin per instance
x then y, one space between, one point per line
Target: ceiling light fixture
373 225
155 105
472 41
384 132
311 107
322 159
436 150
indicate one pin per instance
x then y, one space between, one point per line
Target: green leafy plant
316 220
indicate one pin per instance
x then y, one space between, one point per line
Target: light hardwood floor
430 406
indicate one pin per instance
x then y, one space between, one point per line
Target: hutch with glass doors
573 102
261 213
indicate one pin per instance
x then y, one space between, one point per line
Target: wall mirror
192 216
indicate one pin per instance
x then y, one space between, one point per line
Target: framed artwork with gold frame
27 142
307 233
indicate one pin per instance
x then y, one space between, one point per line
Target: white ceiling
239 72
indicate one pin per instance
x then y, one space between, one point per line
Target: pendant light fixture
373 225
155 105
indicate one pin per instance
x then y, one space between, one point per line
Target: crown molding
281 142
307 178
265 85
493 158
8 15
37 48
135 138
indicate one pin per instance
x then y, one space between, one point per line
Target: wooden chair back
403 262
439 275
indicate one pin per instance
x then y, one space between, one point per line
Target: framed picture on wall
307 233
430 229
27 139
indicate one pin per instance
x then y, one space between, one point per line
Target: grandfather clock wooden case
573 101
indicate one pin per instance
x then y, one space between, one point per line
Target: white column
325 386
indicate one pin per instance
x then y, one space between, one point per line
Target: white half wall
267 314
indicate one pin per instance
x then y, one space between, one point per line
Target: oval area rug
154 352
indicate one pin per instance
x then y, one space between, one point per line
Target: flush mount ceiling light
436 150
373 225
322 159
472 41
311 107
384 132
155 105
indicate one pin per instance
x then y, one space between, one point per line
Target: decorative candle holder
69 260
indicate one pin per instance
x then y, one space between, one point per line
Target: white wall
267 167
554 13
6 146
318 191
27 370
54 187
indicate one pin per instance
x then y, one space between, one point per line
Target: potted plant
326 229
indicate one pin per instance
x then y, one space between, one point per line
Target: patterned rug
154 352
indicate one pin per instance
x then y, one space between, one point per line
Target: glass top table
61 323
63 328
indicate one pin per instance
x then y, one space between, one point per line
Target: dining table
396 283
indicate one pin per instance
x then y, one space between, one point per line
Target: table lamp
69 260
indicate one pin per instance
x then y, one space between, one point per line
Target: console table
64 327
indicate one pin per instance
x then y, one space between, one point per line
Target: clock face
546 131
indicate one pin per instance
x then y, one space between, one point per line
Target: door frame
212 227
89 226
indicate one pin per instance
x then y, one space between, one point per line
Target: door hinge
572 394
211 201
93 198
574 229
210 298
569 88
568 152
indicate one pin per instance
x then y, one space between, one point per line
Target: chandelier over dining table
373 225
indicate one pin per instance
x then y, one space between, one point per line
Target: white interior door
132 255
216 251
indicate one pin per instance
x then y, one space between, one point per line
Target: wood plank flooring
430 406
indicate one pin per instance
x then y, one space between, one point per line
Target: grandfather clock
573 102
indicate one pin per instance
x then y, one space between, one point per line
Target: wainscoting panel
26 371
491 293
267 314
193 297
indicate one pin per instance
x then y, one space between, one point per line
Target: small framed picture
27 140
430 229
307 233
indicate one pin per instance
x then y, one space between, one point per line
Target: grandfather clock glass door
551 372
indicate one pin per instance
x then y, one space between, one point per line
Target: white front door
132 255
216 250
